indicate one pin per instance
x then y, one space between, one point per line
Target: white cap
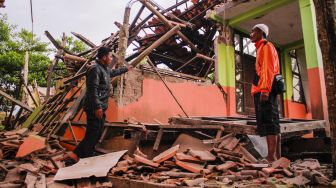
262 27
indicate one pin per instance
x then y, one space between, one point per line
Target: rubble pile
228 163
27 159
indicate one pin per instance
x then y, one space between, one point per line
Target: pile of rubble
228 163
29 160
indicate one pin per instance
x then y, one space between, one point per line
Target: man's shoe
69 162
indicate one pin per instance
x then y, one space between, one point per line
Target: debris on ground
183 164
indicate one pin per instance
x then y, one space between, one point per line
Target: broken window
298 94
244 61
248 47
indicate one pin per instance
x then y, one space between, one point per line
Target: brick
225 141
194 182
270 170
230 158
232 144
145 161
257 166
281 163
187 158
139 153
192 167
253 173
31 144
204 155
226 166
166 154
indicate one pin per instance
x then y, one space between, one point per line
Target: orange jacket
267 66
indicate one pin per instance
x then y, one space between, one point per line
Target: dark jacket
98 80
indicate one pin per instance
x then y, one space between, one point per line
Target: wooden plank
26 107
30 120
158 140
195 121
84 39
238 129
302 126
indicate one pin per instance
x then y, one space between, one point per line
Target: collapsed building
203 88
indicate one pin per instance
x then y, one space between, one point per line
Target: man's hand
99 113
130 67
264 96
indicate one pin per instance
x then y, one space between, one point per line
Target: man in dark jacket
98 81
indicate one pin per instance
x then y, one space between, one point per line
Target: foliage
75 46
13 46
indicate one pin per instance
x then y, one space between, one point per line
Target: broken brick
226 166
192 167
269 170
282 163
194 182
253 173
166 154
187 158
31 144
232 144
145 161
204 155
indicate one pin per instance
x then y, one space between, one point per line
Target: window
245 53
298 93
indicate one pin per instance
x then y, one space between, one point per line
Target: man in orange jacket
265 101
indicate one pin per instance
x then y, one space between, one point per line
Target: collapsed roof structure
179 38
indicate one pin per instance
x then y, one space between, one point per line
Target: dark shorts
267 115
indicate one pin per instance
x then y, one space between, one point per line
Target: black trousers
267 115
94 129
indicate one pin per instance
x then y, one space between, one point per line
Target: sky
93 19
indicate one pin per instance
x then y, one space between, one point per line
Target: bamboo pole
157 43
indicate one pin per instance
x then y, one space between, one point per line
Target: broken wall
145 98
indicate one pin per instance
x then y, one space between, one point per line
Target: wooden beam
302 126
26 107
155 45
84 39
169 24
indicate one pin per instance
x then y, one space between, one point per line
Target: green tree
13 45
74 45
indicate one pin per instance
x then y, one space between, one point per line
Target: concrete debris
97 166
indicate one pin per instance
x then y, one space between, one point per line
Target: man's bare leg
272 147
278 147
73 156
